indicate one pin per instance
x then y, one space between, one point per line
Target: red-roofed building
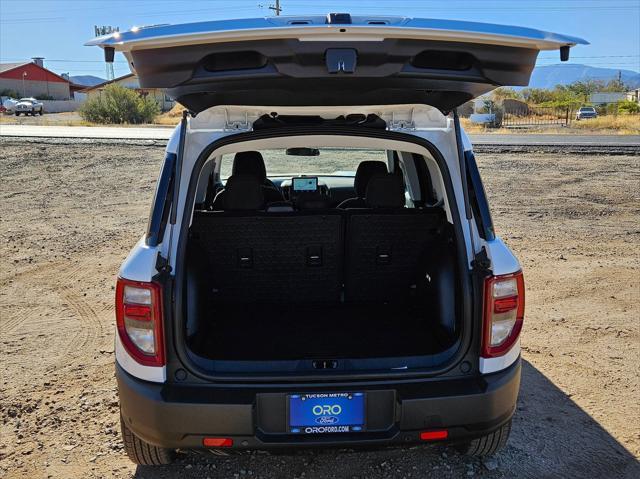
31 79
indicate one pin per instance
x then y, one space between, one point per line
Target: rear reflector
434 435
217 442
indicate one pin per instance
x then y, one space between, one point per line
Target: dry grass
61 119
172 117
471 127
621 124
613 125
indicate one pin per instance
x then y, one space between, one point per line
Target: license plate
326 413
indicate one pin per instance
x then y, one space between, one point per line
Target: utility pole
276 8
620 79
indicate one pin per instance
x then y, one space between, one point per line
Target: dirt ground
70 214
65 118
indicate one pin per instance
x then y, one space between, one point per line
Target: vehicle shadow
551 437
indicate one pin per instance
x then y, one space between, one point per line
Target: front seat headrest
365 171
249 163
243 192
385 191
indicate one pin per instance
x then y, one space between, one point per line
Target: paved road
163 133
102 132
574 140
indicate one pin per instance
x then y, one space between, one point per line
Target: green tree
504 93
628 107
583 89
615 86
117 104
535 96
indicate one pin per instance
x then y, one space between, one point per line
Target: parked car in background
586 112
29 106
268 308
8 104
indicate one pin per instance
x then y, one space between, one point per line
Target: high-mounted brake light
139 320
503 313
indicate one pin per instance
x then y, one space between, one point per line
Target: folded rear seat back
274 257
388 246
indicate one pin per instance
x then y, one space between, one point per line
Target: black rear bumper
175 416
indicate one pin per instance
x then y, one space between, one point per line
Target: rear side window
161 203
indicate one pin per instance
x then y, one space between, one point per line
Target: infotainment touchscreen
306 184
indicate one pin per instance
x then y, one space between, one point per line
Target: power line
607 7
612 65
66 61
605 56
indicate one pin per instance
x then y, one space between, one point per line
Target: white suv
320 266
28 106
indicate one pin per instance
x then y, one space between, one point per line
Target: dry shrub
117 104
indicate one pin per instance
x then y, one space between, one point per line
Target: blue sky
57 29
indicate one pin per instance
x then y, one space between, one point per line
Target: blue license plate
326 413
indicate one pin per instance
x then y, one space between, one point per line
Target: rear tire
40 112
143 453
487 445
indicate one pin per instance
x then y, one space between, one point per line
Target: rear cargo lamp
139 320
217 442
437 435
503 313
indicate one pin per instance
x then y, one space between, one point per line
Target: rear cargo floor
279 332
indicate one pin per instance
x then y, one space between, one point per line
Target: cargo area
325 284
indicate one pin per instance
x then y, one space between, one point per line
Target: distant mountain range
549 76
87 80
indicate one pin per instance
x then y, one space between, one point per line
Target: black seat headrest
249 163
385 191
243 192
365 171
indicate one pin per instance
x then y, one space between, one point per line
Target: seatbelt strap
211 193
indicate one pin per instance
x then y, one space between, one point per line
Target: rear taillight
139 320
503 313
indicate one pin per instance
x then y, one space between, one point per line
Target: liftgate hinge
481 261
162 265
235 123
402 121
